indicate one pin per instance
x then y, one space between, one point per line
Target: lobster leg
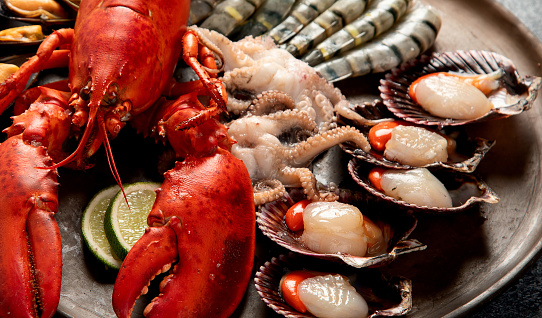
191 51
31 256
45 57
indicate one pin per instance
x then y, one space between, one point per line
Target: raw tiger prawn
114 76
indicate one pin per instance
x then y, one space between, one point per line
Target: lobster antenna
110 160
86 135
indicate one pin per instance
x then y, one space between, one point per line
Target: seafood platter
387 151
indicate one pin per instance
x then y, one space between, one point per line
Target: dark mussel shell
9 46
9 20
7 13
394 88
385 296
469 152
19 60
465 189
396 226
74 4
16 46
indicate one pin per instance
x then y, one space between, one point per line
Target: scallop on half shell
385 296
466 156
465 190
396 228
513 96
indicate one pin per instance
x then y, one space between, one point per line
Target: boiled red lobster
122 55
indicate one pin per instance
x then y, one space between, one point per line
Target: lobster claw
204 218
31 258
153 254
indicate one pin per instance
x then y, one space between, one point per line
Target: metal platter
470 255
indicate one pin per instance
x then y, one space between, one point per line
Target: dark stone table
523 297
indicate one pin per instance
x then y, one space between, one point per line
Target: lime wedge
92 226
124 226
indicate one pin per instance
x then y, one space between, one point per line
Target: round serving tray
470 256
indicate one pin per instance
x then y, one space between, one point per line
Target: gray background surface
523 298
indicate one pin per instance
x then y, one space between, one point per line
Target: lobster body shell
207 204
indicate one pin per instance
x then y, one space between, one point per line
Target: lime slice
124 226
92 226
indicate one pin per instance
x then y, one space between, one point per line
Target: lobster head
122 57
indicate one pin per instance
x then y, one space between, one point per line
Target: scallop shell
476 151
515 96
470 151
397 227
385 296
465 189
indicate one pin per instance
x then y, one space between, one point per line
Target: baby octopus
283 115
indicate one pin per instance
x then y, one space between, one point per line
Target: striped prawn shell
229 14
407 39
341 13
302 14
201 9
269 15
378 18
340 38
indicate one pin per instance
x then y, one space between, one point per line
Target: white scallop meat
332 296
416 186
416 146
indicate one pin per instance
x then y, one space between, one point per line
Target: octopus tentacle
234 56
308 182
294 118
326 111
267 191
237 106
346 110
251 130
211 46
279 101
304 152
271 101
